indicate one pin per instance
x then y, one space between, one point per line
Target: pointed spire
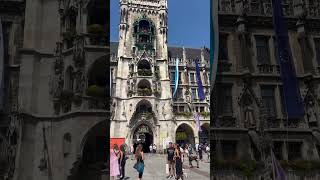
184 55
203 61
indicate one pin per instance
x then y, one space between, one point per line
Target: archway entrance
184 135
93 163
204 134
143 135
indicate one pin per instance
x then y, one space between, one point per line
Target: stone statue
248 111
311 113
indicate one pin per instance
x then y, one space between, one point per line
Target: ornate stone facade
57 56
253 117
143 68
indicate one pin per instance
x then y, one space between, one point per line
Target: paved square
155 169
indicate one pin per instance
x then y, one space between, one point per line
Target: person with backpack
139 166
170 160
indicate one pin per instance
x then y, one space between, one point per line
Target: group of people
118 159
153 148
177 154
175 158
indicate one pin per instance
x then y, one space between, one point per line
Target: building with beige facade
250 108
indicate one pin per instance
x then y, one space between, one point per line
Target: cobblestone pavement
155 165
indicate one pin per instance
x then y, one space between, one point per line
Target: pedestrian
197 145
170 160
178 162
186 151
122 161
193 157
132 152
208 151
154 148
140 161
200 151
181 152
150 148
114 164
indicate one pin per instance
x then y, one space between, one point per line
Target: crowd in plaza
175 157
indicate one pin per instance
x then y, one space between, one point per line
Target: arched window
69 79
143 107
144 88
66 146
98 73
144 68
98 12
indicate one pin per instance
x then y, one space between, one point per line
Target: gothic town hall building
143 70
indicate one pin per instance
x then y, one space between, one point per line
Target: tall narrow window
276 51
194 94
192 78
283 103
277 149
225 100
267 95
262 45
180 80
317 46
172 77
223 47
294 150
69 79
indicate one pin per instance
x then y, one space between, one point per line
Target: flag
176 80
278 172
197 120
1 68
292 98
214 42
199 82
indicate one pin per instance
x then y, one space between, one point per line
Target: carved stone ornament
80 82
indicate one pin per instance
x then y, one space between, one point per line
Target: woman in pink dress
114 164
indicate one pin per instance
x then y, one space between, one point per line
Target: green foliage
144 92
205 114
144 72
96 91
247 168
69 35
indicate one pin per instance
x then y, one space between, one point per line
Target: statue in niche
248 111
188 99
311 113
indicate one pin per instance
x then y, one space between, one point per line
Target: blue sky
189 22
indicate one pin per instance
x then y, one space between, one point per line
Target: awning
316 134
255 139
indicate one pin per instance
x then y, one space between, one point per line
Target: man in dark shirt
170 160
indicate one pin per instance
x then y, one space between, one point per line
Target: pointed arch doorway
143 135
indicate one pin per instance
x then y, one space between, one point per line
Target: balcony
144 72
93 103
144 92
264 8
268 69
